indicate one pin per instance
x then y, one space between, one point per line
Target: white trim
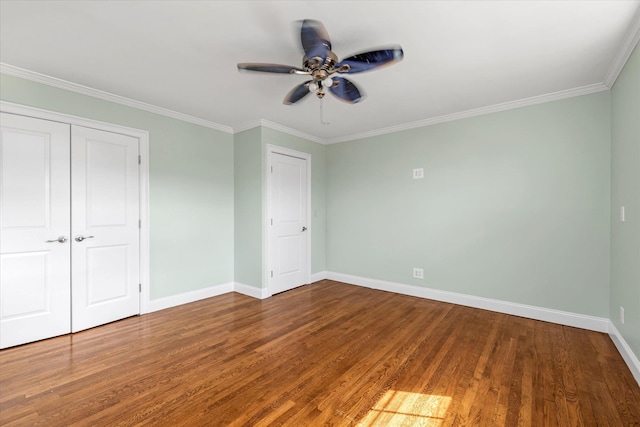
290 131
252 291
316 277
143 138
280 128
583 321
624 52
621 59
625 351
511 105
247 126
95 93
25 110
505 106
191 296
145 229
274 149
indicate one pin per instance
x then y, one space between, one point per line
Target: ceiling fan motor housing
317 69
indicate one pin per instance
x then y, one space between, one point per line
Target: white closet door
34 230
105 228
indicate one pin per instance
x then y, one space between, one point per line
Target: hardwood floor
324 354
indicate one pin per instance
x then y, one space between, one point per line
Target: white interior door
105 227
35 230
288 208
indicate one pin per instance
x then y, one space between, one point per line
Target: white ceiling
460 56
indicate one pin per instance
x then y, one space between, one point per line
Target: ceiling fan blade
370 60
315 39
268 68
345 90
297 93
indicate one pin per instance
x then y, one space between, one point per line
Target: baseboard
252 291
625 351
316 277
187 297
592 323
262 293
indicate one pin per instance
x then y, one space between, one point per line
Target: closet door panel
105 265
34 229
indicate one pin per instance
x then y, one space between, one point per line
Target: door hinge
139 160
271 221
271 169
139 223
271 273
140 287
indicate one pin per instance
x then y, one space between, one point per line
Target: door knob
60 239
80 238
304 228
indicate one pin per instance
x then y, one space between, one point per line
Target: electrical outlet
622 315
418 173
418 273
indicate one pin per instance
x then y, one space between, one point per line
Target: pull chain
322 113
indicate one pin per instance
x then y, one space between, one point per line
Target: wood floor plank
323 354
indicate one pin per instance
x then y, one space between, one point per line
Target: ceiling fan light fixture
322 65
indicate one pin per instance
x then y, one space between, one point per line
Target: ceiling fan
322 65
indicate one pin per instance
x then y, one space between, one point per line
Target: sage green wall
514 206
249 173
625 237
190 180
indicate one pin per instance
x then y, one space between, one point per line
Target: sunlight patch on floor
401 408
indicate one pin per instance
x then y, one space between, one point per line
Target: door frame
268 233
143 172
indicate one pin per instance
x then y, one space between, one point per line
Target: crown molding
540 99
534 100
624 52
95 93
292 132
247 126
281 128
